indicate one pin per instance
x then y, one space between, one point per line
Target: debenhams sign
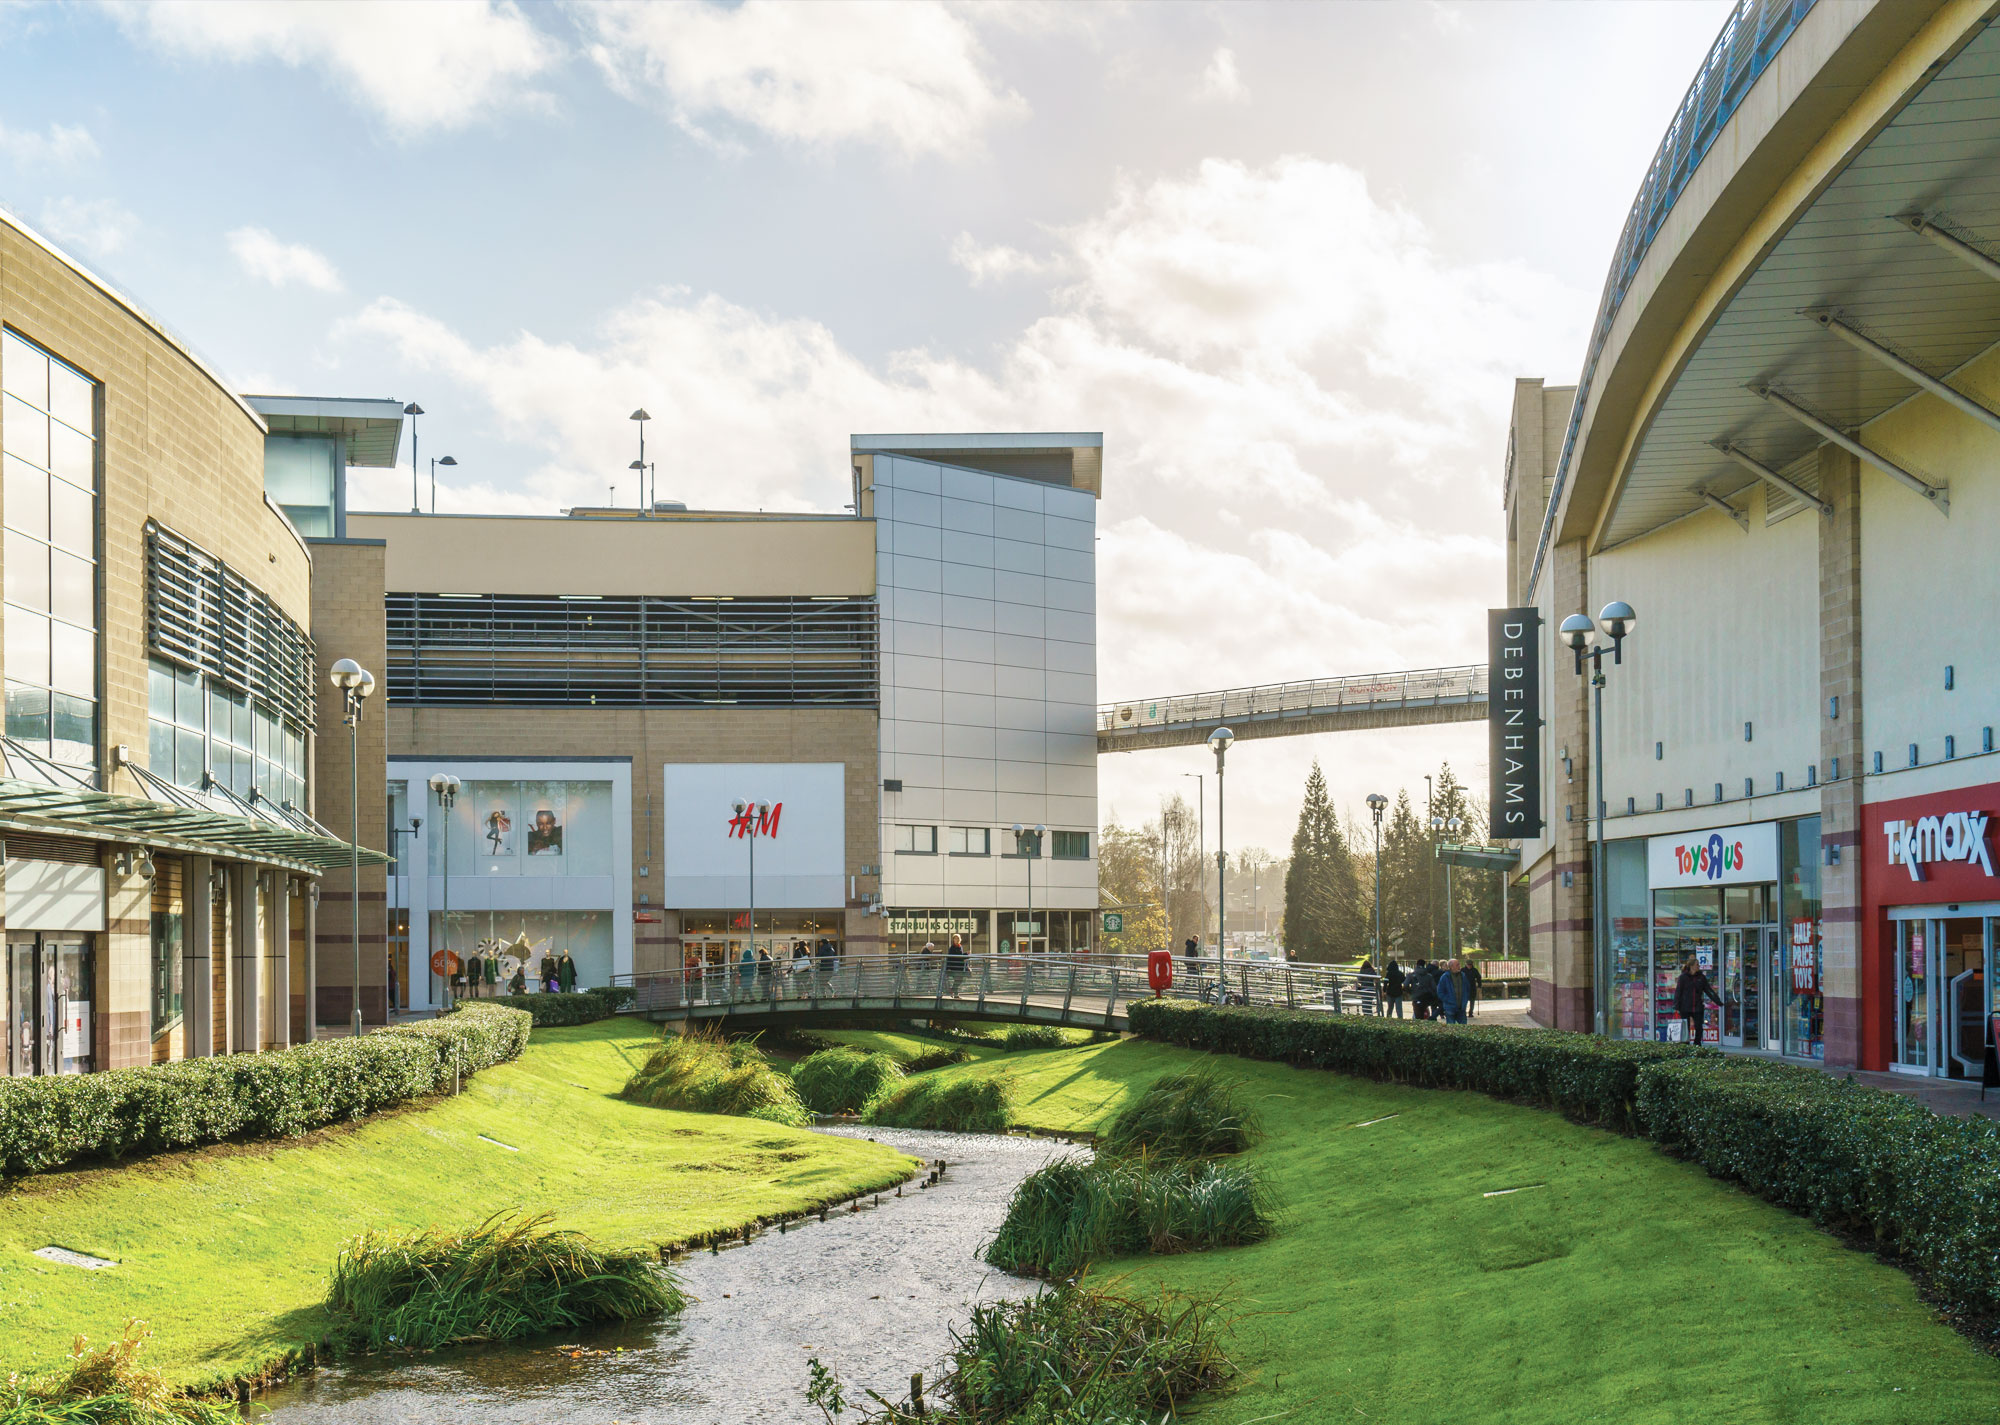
1514 721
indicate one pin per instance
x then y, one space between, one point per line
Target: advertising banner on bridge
1514 721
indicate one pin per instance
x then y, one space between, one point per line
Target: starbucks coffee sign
930 925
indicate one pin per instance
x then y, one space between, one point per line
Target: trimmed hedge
1855 1159
52 1122
559 1011
1586 1078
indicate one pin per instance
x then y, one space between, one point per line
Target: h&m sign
1955 836
1514 722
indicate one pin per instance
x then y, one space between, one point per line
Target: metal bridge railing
1419 687
1081 989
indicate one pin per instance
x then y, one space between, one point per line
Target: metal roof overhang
140 821
1848 254
372 428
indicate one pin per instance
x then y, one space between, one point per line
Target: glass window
160 748
27 645
26 493
188 698
190 757
28 714
72 455
72 397
27 574
73 730
1072 846
1687 906
72 518
299 474
1626 1013
72 659
26 432
1744 905
1804 1004
24 370
72 588
916 840
167 931
971 841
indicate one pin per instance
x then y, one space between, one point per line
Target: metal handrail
1085 989
1465 682
1750 39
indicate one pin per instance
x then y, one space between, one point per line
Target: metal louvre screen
551 651
204 615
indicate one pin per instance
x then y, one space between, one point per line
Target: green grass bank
226 1251
1618 1284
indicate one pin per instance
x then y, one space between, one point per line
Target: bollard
917 1394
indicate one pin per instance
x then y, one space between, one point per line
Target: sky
1289 259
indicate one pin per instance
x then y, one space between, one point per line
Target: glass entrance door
51 1003
1770 992
1914 942
1739 956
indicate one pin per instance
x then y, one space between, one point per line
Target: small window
971 841
916 840
1071 845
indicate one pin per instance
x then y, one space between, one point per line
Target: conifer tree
1322 910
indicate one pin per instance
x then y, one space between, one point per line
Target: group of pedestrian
1443 990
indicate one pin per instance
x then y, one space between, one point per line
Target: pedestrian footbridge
1407 699
1084 991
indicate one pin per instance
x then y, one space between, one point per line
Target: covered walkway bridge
1083 991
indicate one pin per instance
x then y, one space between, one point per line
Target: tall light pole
355 684
1200 841
446 788
1617 620
643 467
1431 817
413 410
1028 843
395 856
437 460
1220 740
640 464
752 817
1376 801
1449 826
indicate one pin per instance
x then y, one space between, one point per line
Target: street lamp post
1220 740
1200 843
751 817
445 786
1617 620
437 460
388 959
1449 826
413 410
1028 843
355 684
640 464
1376 801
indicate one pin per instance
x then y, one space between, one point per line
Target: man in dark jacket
1690 989
1392 989
1424 990
1451 993
1473 980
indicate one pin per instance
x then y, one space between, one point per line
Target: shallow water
873 1294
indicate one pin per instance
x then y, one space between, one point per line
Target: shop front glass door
1914 942
1771 995
1738 969
50 1004
1961 997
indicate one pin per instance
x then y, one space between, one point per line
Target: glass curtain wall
49 485
196 725
1802 1014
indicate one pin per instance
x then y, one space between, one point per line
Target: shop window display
512 828
1804 1006
505 941
1625 874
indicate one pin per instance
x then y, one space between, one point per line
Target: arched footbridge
1412 698
1083 991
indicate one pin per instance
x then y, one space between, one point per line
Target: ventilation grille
202 614
549 651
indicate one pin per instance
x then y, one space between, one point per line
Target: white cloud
908 77
1220 80
56 147
997 264
419 64
97 225
281 264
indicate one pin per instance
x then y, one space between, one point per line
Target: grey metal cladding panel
918 475
1020 776
1019 712
919 507
885 507
1069 534
1066 780
1020 620
1072 749
1018 588
1070 595
974 709
919 638
906 671
918 705
963 612
1073 688
924 574
1012 648
966 676
1020 744
1061 656
969 643
968 581
1021 682
961 740
918 606
1070 504
1018 558
918 541
967 485
1019 495
885 567
1074 719
968 774
918 739
1024 525
969 517
1069 564
963 548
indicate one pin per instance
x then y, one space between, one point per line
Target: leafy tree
1128 875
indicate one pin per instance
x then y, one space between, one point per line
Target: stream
873 1294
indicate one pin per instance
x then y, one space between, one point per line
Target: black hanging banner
1514 721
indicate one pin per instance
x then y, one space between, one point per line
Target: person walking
1451 992
1691 987
746 969
1423 988
1392 989
519 984
1473 981
955 962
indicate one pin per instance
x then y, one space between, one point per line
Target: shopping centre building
892 690
1784 454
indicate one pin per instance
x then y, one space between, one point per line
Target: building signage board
1514 722
800 842
1916 845
930 925
1726 856
1114 922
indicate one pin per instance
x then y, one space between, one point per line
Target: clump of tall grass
965 1105
1035 1036
1076 1356
106 1386
845 1080
1196 1113
505 1278
1073 1212
941 1057
702 1072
